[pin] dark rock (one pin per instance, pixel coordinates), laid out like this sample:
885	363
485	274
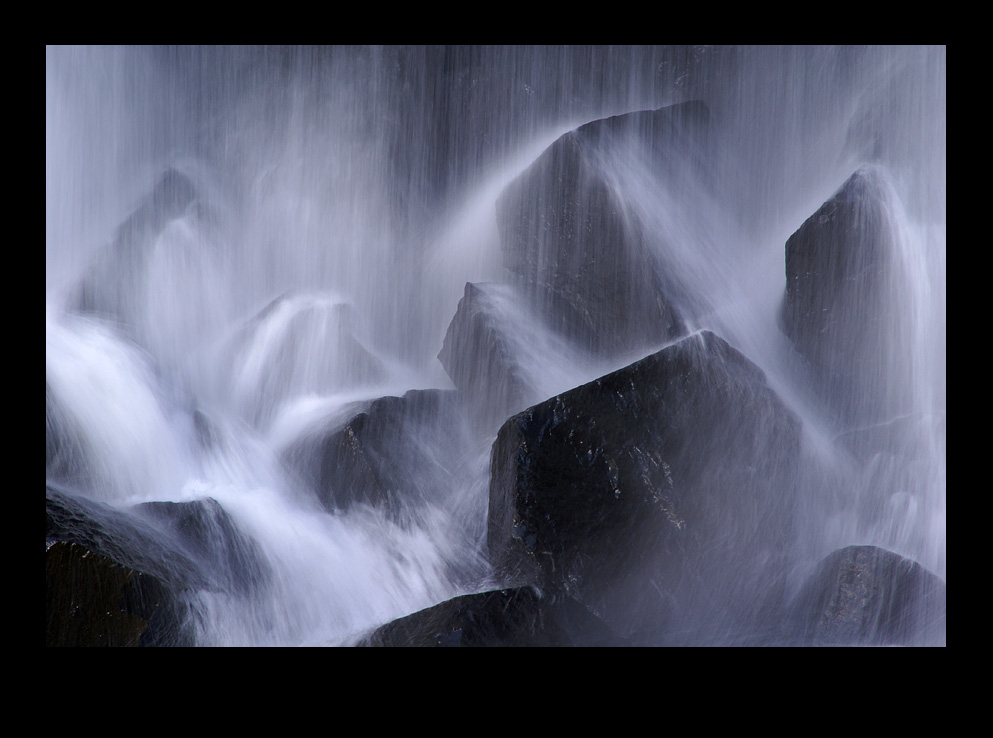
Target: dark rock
114	557
570	239
207	532
126	539
501	356
91	600
186	548
478	354
206	432
864	595
660	494
506	617
840	308
398	454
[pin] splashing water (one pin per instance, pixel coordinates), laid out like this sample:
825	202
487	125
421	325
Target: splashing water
246	247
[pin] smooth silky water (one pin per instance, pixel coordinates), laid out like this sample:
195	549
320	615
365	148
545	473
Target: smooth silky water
345	196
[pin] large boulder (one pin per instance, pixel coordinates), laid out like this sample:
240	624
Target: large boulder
571	240
841	308
111	579
506	617
481	355
157	556
865	595
398	454
205	530
660	495
91	600
502	357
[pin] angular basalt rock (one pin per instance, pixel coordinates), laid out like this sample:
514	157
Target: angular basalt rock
112	580
479	354
865	595
180	548
502	356
839	309
211	537
659	495
120	536
398	453
506	618
583	261
91	600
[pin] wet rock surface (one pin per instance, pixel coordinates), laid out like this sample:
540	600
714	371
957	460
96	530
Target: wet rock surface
841	272
868	596
578	253
518	617
275	357
153	557
479	355
662	489
91	600
396	454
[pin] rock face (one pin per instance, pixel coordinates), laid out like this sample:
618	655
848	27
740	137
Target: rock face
864	595
506	617
658	495
92	601
115	534
502	356
839	309
109	580
144	566
204	529
572	243
397	454
480	355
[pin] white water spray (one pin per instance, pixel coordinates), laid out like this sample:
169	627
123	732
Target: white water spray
330	237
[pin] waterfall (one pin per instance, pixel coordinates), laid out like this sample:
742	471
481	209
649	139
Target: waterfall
252	251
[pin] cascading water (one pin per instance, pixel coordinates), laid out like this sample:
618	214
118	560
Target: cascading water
247	247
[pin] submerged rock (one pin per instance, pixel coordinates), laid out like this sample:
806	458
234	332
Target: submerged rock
660	495
865	595
113	287
299	344
505	617
582	258
841	308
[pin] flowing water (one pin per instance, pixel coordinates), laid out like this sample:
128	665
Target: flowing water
340	200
